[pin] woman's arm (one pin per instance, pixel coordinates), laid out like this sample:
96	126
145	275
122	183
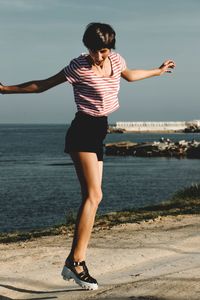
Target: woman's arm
35	86
133	75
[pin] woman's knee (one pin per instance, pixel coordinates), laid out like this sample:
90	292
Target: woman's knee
95	196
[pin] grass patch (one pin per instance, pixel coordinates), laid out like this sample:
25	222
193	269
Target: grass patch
191	192
24	236
185	201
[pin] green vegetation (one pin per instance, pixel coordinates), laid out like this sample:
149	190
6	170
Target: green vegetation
192	192
70	218
186	201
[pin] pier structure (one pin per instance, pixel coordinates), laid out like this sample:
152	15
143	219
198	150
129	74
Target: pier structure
145	126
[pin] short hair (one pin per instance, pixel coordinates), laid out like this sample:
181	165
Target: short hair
98	36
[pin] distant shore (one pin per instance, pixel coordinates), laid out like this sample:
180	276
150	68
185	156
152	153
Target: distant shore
156	126
118	130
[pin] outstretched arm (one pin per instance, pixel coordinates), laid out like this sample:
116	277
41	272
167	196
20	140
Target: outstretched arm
133	75
35	86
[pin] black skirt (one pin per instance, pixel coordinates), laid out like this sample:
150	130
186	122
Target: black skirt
86	134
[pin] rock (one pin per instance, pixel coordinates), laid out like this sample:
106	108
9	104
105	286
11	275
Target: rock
115	130
193	152
120	148
190	149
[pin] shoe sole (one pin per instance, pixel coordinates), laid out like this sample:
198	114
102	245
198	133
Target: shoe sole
67	274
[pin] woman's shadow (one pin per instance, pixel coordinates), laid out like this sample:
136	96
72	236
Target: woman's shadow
21	290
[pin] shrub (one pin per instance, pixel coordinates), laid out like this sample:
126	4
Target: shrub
192	192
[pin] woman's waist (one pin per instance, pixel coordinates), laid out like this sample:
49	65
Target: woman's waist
84	115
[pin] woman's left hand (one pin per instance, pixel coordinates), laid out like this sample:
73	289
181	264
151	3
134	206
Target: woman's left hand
166	66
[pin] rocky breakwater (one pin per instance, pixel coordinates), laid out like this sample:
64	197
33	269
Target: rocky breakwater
164	147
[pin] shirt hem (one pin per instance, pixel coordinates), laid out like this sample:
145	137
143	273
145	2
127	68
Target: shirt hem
99	114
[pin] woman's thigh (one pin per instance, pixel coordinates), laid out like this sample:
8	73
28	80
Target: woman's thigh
89	171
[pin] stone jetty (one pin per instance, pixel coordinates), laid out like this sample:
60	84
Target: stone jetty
157	126
164	147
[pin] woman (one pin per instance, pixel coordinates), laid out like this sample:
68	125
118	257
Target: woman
95	77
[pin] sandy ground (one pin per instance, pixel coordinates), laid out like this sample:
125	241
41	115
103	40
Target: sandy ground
155	260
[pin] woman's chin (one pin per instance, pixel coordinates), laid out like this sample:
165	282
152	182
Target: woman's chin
99	63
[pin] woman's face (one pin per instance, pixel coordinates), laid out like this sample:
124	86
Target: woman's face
99	56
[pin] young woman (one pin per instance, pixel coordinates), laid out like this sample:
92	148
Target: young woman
95	77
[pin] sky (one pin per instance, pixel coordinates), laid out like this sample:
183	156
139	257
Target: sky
40	37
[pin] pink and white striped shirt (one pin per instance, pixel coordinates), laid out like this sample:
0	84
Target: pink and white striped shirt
95	95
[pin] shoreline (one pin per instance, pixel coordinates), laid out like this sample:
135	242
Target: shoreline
172	207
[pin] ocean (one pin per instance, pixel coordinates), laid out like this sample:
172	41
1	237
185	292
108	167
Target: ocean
39	188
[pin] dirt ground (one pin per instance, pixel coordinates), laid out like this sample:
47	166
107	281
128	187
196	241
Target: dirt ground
154	260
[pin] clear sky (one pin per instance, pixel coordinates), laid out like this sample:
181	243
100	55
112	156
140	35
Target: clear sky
39	37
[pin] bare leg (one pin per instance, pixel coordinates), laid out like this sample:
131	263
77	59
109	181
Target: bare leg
89	171
100	163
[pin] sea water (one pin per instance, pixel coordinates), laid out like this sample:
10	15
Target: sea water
38	184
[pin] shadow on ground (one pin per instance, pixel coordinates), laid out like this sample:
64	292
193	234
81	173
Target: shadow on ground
133	298
45	298
36	292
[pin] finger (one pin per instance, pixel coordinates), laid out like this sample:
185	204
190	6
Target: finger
167	62
171	66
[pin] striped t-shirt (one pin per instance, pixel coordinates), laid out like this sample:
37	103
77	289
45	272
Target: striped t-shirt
95	95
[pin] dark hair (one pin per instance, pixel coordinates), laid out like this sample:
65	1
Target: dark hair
98	36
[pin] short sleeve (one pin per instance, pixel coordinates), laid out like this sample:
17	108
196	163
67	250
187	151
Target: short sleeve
72	72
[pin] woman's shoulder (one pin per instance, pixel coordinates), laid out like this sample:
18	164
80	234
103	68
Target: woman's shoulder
80	60
115	55
78	65
117	58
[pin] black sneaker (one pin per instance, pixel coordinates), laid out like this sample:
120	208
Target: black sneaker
83	279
